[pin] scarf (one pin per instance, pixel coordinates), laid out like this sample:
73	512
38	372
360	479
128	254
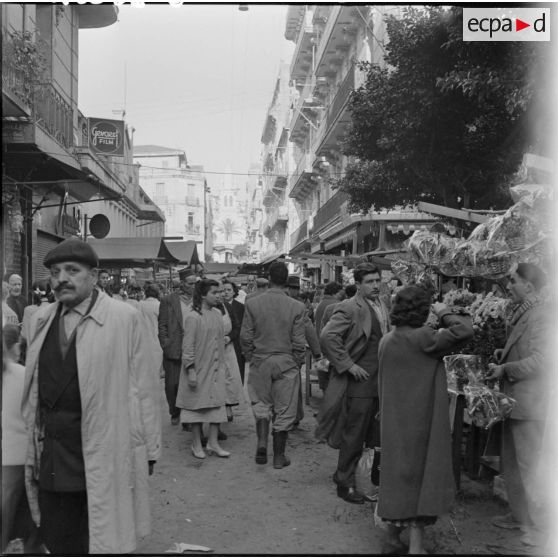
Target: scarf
522	308
381	313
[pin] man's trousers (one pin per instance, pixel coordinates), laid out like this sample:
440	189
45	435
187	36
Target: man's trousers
274	395
521	454
64	522
359	428
172	377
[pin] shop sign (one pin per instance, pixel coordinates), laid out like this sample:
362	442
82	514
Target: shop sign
106	137
70	225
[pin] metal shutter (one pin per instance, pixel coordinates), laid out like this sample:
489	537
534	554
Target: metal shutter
45	243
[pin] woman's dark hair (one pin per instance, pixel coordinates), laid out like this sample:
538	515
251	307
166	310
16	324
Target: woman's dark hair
411	307
332	288
200	290
350	290
151	290
533	274
42	289
234	286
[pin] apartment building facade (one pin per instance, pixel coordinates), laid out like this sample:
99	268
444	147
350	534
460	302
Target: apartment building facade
179	189
51	171
330	40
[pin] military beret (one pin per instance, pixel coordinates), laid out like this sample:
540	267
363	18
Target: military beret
72	250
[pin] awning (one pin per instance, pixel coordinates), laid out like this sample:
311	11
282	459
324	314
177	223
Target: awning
131	252
271	259
184	251
217	267
340	238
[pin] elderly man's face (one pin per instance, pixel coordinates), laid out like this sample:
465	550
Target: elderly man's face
15	285
72	282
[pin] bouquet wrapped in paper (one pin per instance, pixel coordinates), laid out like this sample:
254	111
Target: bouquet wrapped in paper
406	271
423	246
463	370
487	406
518	228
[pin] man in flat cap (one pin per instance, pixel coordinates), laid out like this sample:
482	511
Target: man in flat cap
272	340
92	414
172	312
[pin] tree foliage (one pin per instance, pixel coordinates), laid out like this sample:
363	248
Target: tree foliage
446	121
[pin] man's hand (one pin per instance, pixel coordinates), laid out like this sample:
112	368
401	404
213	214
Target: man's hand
151	465
498	355
192	378
496	371
359	373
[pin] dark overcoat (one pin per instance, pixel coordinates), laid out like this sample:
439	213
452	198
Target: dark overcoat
416	477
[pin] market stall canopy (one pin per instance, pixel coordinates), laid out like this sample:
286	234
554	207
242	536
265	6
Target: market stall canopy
131	252
184	251
220	268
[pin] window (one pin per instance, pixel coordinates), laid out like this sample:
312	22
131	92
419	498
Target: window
191	190
190	219
159	189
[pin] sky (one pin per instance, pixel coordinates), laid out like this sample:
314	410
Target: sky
193	77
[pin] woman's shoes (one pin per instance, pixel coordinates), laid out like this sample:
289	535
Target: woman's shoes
219	452
198	454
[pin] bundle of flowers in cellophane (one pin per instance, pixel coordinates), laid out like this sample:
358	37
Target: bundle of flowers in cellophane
489	314
463	370
431	248
465	259
407	272
487	406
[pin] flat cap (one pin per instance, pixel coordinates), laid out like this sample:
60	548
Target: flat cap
72	250
293	281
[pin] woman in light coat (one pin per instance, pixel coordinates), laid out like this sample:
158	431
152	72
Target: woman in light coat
120	424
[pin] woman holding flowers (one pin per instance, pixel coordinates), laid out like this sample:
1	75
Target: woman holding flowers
416	478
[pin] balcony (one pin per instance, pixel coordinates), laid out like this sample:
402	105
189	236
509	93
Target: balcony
335	115
277	216
302	58
53	114
336	40
17	95
300	235
301	183
330	211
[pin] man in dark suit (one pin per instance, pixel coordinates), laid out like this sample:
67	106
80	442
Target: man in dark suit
171	333
16	301
350	341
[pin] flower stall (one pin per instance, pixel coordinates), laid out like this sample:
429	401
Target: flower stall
520	234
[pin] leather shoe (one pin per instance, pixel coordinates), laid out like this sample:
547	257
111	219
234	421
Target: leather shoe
349	494
175	420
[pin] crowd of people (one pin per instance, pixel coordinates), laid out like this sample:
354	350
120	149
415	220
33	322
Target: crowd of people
78	451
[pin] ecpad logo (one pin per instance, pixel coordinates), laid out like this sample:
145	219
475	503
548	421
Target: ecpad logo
506	24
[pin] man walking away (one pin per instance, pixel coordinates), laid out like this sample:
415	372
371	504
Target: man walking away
273	342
